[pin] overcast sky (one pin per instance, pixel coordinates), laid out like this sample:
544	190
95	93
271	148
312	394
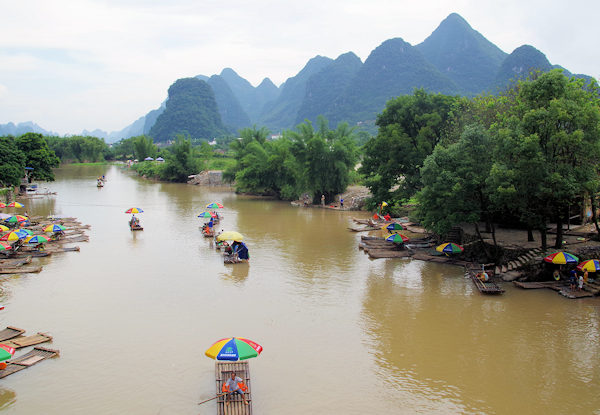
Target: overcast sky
70	65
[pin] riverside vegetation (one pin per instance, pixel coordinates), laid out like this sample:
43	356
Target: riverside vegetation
521	157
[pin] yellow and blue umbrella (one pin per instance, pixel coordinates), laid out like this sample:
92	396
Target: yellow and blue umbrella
206	215
5	247
134	210
37	239
4	228
450	248
234	348
561	258
591	265
15	205
16	219
14	236
54	228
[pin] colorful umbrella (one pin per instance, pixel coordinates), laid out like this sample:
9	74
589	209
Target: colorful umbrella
2	205
230	236
16	219
234	348
4	228
134	210
6	352
450	248
15	204
54	228
561	258
14	236
214	205
394	227
37	239
206	215
591	265
397	238
5	247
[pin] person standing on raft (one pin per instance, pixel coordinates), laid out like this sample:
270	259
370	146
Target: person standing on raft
233	386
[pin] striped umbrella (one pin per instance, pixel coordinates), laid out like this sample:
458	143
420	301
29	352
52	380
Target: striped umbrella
54	228
561	258
37	239
16	219
397	238
2	205
15	205
4	228
134	210
450	248
214	205
206	215
6	352
233	348
591	265
14	236
5	247
394	227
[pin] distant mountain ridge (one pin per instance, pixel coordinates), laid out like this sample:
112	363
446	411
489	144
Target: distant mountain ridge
455	59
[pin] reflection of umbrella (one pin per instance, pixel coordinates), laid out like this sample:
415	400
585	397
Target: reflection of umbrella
591	265
394	227
134	210
4	228
54	228
4	246
230	236
561	258
15	204
6	352
206	215
397	238
16	219
214	205
234	348
450	248
37	239
14	236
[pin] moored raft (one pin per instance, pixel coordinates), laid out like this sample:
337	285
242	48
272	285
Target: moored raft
9	333
29	359
21	270
484	287
24	341
236	405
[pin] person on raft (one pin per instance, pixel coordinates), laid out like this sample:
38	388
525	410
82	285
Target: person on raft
233	386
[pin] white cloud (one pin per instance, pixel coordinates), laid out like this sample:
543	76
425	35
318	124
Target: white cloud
78	64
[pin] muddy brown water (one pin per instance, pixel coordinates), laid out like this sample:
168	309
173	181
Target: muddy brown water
133	313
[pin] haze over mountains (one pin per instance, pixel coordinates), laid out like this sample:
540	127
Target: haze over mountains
454	59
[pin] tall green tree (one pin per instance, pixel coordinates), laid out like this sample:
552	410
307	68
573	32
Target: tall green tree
549	147
410	127
455	188
12	162
38	156
181	161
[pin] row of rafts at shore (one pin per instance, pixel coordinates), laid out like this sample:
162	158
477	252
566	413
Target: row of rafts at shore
21	260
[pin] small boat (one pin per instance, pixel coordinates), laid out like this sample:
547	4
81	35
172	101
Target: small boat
485	287
136	227
100	184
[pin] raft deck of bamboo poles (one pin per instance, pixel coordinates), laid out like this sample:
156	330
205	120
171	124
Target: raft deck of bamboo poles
236	404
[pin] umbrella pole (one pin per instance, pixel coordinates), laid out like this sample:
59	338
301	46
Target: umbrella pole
219	395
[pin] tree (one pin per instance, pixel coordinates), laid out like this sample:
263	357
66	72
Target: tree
12	162
38	156
549	147
455	188
181	161
410	127
143	146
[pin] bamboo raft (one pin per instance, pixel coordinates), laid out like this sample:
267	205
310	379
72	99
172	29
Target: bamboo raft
236	405
24	341
9	333
135	228
21	270
485	287
29	359
15	262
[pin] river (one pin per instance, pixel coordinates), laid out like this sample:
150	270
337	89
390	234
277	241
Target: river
133	313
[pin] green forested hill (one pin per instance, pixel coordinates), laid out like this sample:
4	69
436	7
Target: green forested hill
519	64
191	109
324	87
232	113
463	54
393	68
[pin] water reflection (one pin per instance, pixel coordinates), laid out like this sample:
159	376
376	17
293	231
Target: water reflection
236	273
7	398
